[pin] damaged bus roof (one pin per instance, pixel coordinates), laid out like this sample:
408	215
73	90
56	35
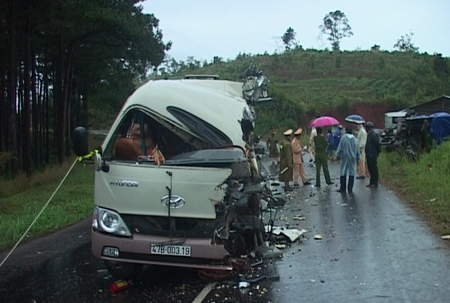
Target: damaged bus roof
217	102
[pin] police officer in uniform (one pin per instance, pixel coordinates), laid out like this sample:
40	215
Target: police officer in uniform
286	160
298	158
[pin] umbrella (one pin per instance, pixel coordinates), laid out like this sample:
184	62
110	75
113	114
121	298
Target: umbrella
324	121
355	119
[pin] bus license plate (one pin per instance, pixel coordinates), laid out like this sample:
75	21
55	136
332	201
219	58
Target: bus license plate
171	250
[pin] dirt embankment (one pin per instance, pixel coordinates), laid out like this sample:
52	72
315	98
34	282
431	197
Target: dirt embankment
373	112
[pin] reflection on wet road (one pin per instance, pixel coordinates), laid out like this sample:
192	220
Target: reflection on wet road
373	249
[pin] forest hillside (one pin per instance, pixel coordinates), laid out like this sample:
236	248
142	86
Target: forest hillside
311	83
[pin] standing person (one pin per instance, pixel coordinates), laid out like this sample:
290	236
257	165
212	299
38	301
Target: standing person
274	153
286	160
320	145
362	139
298	158
425	135
348	152
312	151
330	139
337	135
373	149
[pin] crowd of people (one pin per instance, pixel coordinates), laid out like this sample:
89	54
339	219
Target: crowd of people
356	148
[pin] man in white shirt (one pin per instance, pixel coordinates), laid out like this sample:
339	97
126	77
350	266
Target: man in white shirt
362	139
312	149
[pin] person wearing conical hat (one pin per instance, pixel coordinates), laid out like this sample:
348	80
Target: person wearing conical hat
298	158
286	160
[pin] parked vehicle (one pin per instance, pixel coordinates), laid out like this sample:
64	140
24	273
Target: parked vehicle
176	181
394	128
393	119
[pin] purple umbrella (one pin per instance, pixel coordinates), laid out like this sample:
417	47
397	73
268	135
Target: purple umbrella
324	121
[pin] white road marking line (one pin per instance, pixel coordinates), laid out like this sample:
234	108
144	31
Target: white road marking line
202	295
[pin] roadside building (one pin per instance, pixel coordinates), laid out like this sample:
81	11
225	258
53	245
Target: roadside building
441	104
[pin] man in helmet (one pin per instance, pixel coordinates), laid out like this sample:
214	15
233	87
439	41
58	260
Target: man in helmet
373	149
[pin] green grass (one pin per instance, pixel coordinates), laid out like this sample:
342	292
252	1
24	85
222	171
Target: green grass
72	202
423	184
22	199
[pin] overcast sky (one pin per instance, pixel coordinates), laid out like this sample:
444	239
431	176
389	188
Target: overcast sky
207	28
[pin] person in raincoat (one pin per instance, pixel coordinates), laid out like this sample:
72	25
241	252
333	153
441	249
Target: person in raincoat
362	139
348	153
272	146
298	158
286	160
321	145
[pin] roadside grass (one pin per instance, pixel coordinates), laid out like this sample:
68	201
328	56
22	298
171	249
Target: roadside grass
22	198
424	184
72	203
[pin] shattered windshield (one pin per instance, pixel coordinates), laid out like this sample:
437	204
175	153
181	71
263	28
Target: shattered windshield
209	133
142	136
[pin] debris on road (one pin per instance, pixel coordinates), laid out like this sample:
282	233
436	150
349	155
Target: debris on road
298	218
119	286
291	233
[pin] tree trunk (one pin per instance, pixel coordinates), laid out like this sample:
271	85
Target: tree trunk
45	114
36	119
59	126
11	123
3	113
26	101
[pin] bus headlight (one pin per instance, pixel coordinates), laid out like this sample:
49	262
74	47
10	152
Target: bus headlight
110	222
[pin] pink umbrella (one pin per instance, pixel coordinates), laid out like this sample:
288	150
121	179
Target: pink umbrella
324	121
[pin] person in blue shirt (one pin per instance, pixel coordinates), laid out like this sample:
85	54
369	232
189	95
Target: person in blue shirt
337	135
331	147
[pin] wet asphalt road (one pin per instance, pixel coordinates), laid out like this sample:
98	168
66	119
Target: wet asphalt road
373	249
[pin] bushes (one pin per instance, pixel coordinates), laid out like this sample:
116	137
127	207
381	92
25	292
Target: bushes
423	184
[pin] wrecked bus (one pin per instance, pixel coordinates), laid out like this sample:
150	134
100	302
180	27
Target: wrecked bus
176	181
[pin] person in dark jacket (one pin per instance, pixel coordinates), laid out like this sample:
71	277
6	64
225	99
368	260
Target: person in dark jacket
320	146
373	149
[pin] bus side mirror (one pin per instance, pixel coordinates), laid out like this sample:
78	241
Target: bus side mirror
80	141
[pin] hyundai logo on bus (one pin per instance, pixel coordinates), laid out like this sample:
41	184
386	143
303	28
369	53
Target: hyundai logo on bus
175	201
127	183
